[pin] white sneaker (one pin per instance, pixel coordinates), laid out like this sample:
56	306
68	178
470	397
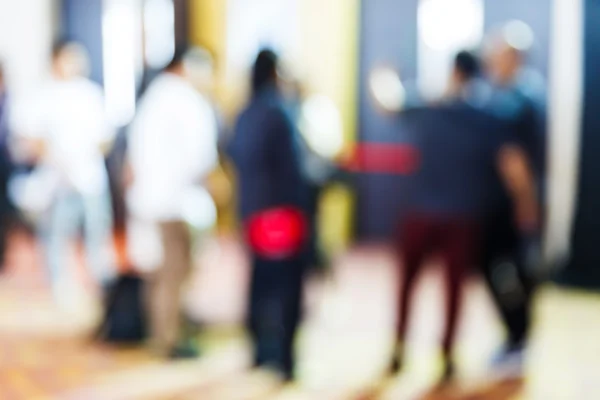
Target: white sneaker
510	363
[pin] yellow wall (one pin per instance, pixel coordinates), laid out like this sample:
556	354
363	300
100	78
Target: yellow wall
329	65
208	23
329	54
208	28
328	57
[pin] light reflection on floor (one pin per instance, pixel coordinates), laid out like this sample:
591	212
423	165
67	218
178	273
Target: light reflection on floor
342	347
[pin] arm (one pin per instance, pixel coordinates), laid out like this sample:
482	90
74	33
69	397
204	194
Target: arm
201	153
27	127
517	176
104	132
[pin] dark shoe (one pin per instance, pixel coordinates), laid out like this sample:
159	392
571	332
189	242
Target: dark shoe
509	362
449	372
512	353
184	353
397	363
288	376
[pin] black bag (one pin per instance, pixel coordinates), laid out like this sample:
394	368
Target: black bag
125	315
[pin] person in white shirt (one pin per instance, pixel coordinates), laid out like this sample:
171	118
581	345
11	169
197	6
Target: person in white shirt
172	147
66	131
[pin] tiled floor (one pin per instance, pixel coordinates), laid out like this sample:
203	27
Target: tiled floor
44	354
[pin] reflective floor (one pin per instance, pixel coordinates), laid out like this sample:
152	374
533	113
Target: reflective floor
48	354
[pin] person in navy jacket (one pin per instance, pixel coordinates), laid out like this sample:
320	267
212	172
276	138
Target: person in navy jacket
271	188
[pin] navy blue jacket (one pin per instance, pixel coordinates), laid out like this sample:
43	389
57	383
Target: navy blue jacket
523	107
459	145
266	157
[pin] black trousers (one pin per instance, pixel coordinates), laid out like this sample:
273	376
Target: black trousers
504	270
274	312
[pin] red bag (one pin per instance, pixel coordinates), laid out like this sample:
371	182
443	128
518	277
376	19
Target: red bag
278	233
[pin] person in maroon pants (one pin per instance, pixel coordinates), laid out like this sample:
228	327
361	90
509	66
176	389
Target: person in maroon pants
463	151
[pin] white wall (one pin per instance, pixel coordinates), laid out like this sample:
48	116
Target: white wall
565	112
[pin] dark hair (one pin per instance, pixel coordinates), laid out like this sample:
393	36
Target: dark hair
181	50
264	71
467	64
59	46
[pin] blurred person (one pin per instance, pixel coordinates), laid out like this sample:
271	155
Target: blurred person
518	91
172	149
272	196
518	97
462	150
66	132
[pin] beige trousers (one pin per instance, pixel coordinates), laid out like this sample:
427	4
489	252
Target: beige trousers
165	287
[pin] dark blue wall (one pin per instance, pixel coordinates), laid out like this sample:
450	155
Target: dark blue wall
583	269
389	35
82	21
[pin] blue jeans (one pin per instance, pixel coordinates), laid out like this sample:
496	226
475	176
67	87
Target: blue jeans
72	212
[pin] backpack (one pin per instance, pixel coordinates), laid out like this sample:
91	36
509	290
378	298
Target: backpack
125	314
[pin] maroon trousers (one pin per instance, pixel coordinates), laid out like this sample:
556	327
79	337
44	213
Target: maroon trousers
455	240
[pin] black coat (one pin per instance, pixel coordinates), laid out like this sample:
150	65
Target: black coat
266	157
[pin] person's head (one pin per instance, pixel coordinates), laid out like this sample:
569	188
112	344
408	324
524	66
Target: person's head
69	60
177	64
506	51
264	72
466	68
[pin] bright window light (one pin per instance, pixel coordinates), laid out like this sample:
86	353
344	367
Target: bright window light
447	24
321	125
519	35
120	47
256	24
445	27
387	89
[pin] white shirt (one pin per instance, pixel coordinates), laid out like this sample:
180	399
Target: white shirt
172	146
69	116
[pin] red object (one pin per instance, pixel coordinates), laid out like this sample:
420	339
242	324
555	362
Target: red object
278	233
384	158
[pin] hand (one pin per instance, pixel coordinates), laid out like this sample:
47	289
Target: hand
128	176
31	151
528	217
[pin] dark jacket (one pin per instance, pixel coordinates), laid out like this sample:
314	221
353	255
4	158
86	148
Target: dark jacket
516	112
458	146
523	106
266	157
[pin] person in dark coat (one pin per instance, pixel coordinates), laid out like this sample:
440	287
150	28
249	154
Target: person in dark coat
518	97
452	188
271	188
